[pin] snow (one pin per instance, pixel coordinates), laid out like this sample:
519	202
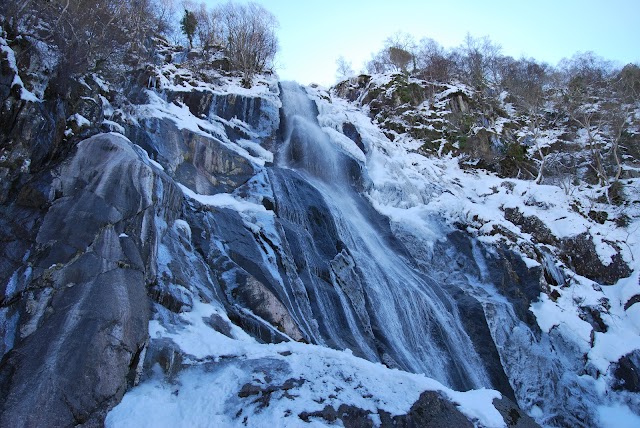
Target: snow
114	126
180	115
79	119
476	404
223	200
25	94
206	395
256	150
549	315
618	416
623	335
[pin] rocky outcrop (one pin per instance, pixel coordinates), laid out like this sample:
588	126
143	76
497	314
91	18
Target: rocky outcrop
627	372
261	114
349	130
31	136
430	410
199	161
579	253
198	102
83	315
531	225
513	416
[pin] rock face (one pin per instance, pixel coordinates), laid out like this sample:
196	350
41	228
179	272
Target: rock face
199	161
84	313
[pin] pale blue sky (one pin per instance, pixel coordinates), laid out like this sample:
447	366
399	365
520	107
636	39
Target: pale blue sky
314	33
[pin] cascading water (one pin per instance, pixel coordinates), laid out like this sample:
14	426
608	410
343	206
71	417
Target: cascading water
363	288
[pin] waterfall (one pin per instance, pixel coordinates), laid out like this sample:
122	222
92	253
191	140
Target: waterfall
365	291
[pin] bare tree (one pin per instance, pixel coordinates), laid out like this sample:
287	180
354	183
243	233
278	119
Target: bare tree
344	69
87	35
208	31
615	114
478	61
628	83
588	78
433	62
251	43
164	12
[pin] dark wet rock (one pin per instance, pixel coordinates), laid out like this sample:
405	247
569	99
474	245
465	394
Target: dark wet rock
262	394
31	137
627	372
257	112
245	109
632	301
83	360
350	416
431	410
171	297
32	197
222	167
476	326
18	229
350	131
520	284
198	102
579	252
219	324
592	315
345	274
513	416
163	353
531	225
238	276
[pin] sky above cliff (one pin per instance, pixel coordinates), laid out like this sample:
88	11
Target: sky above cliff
314	33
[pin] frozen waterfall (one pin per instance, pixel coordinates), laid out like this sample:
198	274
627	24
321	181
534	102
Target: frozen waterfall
365	291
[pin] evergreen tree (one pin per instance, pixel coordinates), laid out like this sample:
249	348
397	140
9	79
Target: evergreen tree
188	24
